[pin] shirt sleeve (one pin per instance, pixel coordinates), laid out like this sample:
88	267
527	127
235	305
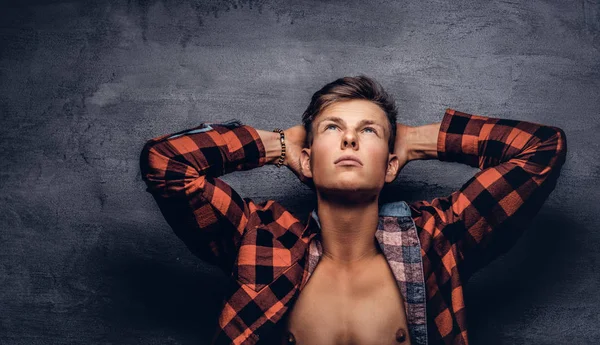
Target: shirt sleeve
181	172
520	164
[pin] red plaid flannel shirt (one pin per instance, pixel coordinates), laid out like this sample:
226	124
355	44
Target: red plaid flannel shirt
270	253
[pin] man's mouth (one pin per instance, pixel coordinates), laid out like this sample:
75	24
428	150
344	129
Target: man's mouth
348	160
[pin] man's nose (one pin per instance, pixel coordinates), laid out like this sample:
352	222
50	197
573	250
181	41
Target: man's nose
349	140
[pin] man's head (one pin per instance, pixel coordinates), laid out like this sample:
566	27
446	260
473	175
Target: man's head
349	88
351	116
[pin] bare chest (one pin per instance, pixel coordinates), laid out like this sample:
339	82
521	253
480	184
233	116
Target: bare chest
361	307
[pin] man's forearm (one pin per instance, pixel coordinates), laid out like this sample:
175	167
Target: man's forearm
272	145
420	141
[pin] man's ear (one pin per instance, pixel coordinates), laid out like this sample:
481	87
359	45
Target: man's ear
305	165
392	168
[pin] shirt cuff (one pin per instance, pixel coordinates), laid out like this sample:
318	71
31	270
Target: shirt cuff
246	149
458	138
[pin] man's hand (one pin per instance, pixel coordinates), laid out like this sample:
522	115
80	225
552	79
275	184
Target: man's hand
294	142
402	145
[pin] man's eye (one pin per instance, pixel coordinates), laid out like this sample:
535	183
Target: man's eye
372	129
327	127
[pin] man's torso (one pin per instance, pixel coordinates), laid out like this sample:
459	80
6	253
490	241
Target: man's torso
362	305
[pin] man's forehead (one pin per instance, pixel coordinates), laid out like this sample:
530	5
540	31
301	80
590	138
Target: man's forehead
353	111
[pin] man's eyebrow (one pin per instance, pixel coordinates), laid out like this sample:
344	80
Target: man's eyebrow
341	121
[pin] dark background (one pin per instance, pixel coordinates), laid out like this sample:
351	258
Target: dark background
85	255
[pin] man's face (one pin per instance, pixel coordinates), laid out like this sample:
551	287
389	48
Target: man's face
356	128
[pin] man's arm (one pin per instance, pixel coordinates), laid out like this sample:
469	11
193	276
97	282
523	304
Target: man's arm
181	172
520	164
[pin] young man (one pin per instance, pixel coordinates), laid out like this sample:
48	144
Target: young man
357	272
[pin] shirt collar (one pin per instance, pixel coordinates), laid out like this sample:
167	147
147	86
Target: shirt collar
313	225
398	208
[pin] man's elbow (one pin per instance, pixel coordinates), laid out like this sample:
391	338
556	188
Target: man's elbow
144	160
153	166
561	146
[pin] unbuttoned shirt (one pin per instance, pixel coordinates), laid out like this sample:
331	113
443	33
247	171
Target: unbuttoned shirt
432	247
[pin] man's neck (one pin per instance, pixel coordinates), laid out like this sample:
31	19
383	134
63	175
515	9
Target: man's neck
348	231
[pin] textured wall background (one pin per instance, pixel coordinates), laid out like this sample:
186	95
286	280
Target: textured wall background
86	257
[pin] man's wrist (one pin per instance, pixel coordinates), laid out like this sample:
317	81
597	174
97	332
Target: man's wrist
421	141
272	143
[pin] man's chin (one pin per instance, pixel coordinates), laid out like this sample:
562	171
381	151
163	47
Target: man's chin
348	191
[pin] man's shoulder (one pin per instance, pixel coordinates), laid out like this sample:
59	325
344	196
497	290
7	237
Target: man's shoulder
274	217
272	240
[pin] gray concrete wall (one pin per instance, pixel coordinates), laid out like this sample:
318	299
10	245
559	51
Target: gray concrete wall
86	257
